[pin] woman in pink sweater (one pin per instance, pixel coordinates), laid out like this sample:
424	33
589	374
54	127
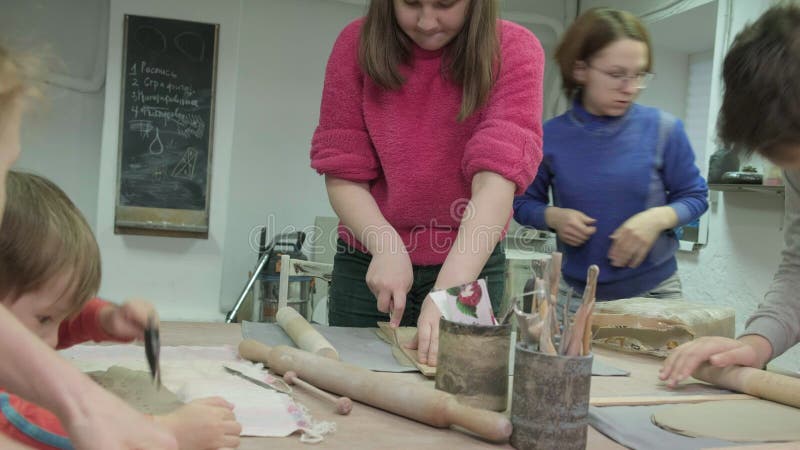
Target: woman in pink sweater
430	123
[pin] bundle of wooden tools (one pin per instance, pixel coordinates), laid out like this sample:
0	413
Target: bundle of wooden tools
541	327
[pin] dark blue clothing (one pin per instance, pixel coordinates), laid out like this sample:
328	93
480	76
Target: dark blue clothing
611	168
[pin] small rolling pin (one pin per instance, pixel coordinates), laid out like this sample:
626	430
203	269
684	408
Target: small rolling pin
343	404
415	401
303	334
760	383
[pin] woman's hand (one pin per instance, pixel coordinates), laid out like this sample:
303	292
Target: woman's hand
426	341
573	227
633	240
389	277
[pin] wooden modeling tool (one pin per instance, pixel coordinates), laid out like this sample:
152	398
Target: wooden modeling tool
566	330
415	401
760	383
555	273
343	404
303	334
588	298
530	328
580	339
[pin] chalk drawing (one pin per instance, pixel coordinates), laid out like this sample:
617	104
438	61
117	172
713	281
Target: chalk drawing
187	165
156	147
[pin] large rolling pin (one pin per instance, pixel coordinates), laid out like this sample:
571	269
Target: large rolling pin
760	383
415	401
303	334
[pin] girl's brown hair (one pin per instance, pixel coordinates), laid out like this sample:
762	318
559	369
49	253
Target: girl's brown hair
591	32
471	59
43	236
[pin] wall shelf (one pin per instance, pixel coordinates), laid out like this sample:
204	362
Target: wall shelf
746	188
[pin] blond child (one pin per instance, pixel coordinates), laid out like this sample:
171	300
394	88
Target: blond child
49	274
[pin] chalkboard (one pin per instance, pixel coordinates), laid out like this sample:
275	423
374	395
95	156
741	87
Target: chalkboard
166	125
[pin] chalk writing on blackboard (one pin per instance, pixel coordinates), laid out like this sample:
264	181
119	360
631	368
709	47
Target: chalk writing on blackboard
166	120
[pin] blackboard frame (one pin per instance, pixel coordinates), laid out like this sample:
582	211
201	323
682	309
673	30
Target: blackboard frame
158	221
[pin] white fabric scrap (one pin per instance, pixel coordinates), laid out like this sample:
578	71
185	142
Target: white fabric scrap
197	372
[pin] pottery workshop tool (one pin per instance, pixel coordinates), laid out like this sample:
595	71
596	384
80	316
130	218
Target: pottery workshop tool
541	327
152	349
759	383
343	404
281	386
412	400
550	399
303	334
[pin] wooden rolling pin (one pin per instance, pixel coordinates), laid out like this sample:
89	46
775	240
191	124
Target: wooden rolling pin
415	401
760	383
303	334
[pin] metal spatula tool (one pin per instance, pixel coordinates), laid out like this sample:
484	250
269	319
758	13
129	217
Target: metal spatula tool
152	349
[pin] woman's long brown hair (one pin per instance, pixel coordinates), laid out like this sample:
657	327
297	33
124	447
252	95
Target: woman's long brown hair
471	59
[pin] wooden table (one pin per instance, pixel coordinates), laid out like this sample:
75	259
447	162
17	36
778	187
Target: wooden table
371	428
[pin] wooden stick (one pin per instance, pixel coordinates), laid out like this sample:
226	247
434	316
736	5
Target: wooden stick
412	400
639	400
303	334
555	273
760	383
589	297
343	404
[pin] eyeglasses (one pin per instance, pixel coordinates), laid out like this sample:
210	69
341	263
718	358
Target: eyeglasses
620	79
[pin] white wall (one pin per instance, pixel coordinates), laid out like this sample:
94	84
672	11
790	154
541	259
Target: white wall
61	134
181	276
280	76
667	90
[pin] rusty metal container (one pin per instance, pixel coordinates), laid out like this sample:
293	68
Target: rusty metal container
473	363
550	400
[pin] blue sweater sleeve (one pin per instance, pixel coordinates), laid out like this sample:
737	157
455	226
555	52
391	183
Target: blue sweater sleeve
529	207
687	192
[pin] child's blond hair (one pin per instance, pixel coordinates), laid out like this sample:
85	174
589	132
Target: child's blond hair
43	236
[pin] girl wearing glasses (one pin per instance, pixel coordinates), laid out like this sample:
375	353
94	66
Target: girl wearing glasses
622	174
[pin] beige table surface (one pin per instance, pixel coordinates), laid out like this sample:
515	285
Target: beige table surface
371	428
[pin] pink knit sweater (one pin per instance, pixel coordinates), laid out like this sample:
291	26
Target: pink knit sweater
409	147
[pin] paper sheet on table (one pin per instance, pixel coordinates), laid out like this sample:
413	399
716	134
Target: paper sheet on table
196	372
631	426
358	346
